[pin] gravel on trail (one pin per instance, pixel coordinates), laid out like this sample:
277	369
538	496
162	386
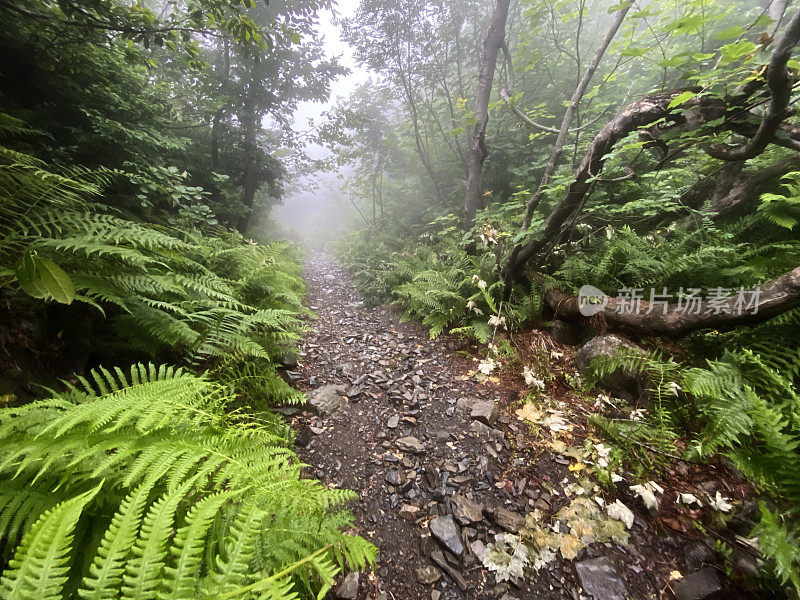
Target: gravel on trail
440	462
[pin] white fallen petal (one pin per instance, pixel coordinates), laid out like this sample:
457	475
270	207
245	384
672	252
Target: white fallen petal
688	499
720	503
620	512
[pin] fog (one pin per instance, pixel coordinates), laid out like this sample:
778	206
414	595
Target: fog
315	211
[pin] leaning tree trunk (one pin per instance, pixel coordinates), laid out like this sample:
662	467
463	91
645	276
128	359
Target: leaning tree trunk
696	113
674	320
569	114
478	151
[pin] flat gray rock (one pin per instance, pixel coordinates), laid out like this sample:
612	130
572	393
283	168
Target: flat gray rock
466	511
410	444
326	400
447	532
600	579
509	520
700	585
485	412
427	575
348	589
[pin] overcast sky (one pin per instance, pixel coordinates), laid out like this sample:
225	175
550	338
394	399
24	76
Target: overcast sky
334	46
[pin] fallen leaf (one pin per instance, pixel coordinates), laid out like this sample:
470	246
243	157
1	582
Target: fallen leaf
529	413
674	524
577	467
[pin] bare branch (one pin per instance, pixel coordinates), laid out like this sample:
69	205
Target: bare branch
780	89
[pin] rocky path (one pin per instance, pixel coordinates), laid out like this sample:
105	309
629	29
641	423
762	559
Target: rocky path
440	463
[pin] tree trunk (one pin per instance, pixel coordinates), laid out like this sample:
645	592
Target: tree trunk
478	151
250	176
572	108
216	123
671	320
634	116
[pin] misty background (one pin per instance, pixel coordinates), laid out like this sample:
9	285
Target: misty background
315	210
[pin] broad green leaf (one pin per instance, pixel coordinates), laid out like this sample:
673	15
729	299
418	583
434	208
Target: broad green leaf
737	50
54	280
730	33
681	99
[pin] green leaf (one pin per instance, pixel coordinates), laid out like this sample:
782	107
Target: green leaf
40	565
738	49
777	543
681	99
54	281
730	33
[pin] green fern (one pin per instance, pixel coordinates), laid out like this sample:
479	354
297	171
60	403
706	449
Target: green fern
204	503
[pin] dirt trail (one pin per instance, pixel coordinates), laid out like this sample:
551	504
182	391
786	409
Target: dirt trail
406	439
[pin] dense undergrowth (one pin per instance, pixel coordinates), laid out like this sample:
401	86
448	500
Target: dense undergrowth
730	393
96	478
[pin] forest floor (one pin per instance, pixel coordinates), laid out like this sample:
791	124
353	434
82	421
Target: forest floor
438	479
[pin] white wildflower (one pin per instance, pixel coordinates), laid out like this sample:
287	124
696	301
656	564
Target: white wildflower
647	492
497	321
556	355
603	453
531	380
638	414
610	232
478	312
602	401
720	503
689	499
479	282
471	305
488	234
619	512
487	365
494	349
556	422
674	388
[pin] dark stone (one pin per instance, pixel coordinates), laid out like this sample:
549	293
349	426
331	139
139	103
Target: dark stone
600	579
288	411
563	332
305	437
700	585
348	589
508	520
697	555
485	411
622	383
446	531
440	560
395	477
